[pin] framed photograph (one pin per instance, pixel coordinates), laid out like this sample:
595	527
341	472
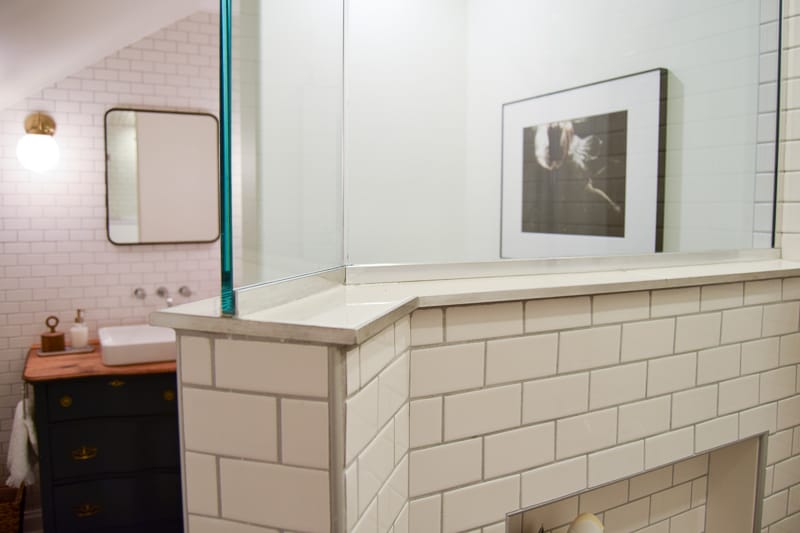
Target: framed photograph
583	170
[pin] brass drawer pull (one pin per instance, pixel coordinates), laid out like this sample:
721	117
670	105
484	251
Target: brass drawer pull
116	383
84	453
65	401
86	510
169	395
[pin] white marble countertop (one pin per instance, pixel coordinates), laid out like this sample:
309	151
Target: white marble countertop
350	314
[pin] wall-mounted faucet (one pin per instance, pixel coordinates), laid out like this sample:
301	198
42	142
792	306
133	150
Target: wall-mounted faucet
164	293
139	293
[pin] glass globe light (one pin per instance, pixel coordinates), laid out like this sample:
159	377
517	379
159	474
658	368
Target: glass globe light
38	150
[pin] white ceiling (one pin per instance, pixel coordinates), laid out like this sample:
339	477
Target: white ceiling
43	41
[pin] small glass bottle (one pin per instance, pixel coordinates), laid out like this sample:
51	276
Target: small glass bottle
79	332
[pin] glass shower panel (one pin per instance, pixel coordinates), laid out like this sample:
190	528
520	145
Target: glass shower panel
287	138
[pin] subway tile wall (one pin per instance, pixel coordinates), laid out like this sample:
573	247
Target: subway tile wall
54	254
669	499
564	395
256	452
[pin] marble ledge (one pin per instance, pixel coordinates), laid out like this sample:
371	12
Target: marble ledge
350	314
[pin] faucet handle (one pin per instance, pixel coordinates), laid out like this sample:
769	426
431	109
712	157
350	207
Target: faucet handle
139	293
185	291
162	292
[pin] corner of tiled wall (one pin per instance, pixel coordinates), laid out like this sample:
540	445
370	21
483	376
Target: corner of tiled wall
255	434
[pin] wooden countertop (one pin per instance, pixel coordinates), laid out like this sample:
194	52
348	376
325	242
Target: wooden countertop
71	366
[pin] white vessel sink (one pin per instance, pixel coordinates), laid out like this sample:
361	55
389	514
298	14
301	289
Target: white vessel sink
142	343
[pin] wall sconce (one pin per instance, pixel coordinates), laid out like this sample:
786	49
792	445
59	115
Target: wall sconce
37	150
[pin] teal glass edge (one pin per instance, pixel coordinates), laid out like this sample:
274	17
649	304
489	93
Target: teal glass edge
228	295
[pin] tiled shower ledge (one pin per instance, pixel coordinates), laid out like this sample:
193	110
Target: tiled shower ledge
350	314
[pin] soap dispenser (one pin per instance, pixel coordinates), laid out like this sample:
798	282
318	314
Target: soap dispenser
79	332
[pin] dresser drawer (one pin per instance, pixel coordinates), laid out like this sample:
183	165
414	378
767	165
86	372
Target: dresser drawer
113	445
115	504
111	396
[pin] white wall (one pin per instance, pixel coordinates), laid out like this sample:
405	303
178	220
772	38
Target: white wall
54	252
433	82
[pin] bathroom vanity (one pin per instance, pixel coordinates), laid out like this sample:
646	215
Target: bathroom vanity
108	444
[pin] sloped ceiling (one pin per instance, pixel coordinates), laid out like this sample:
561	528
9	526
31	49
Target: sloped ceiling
43	41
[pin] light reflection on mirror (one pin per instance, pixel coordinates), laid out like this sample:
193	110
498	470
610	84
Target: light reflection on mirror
161	177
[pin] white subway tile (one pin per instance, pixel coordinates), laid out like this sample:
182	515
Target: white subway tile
791	289
473	322
446	368
690	469
586	433
402	335
789	349
480	504
643	419
304	433
671	302
651	338
201	483
779	446
392	389
598	500
694	405
446	466
670	502
715	433
669	447
789	412
483	411
699	491
738	394
589	348
427	326
401	433
227	423
553	481
375	464
661	527
500	527
401	524
376	353
794	500
425	515
393	496
195	360
351	495
692	521
629	517
787	474
780	319
724	296
521	358
758	420
558	314
741	324
547	399
272	367
559	512
717	364
774	508
299	498
694	332
425	422
616	463
650	482
616	385
368	523
519	449
762	291
353	369
759	355
777	384
204	524
671	374
361	420
623	307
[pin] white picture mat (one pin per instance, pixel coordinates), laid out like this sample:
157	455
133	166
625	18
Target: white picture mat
640	96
